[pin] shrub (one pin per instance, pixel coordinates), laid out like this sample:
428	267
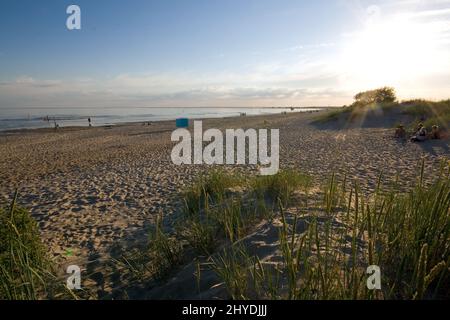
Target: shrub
381	95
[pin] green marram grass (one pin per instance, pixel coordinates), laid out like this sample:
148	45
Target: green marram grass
406	234
26	272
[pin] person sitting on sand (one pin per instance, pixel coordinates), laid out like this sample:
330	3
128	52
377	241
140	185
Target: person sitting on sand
421	134
435	132
400	132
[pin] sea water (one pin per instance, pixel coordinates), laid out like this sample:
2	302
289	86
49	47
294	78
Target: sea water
20	118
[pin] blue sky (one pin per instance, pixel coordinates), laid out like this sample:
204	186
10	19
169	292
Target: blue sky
221	53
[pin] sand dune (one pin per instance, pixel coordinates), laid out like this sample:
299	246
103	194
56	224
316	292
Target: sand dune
92	188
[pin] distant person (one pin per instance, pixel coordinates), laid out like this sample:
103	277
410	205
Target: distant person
420	135
400	132
435	132
89	120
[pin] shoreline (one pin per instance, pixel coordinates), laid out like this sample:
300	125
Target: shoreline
124	123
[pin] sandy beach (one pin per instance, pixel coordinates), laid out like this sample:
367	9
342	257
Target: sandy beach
91	188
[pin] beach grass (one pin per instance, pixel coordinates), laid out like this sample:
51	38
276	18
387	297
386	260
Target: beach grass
215	211
331	115
279	187
406	234
431	112
209	188
26	271
414	111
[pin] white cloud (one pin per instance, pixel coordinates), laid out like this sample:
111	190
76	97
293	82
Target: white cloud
264	85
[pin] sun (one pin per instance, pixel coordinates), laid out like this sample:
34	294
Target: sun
389	52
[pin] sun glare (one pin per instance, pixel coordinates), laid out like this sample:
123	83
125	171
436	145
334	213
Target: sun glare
390	52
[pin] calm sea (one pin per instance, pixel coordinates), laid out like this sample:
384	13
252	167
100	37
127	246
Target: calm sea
19	118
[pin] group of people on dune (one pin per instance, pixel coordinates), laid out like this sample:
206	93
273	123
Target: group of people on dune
420	134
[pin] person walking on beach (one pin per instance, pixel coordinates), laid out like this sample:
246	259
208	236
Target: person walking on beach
89	120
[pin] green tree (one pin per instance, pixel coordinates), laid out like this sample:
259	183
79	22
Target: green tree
381	95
